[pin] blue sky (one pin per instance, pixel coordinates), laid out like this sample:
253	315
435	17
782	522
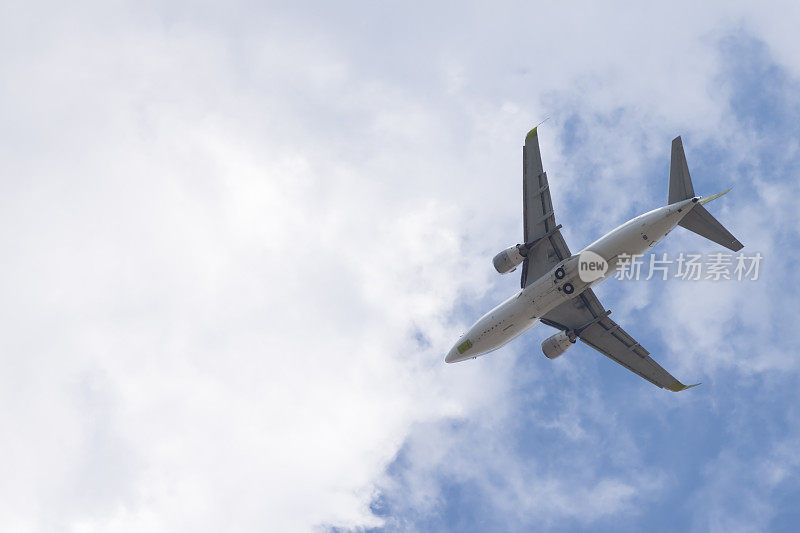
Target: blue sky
238	241
720	457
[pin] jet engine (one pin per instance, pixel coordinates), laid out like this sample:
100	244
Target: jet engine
559	343
508	260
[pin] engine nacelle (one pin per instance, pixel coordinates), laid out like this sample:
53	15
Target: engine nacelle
559	343
508	260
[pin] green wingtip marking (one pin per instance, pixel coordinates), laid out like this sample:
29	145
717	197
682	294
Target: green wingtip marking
714	196
531	134
677	386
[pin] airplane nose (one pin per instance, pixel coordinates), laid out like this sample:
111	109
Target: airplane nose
452	356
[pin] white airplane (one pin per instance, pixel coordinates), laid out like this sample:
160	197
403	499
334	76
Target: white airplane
556	285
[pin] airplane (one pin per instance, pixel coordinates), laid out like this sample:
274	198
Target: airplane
556	285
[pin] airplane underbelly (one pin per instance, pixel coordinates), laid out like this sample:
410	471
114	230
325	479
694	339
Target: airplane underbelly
507	323
510	332
494	341
511	318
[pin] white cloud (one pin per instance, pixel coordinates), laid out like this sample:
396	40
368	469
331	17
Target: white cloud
207	326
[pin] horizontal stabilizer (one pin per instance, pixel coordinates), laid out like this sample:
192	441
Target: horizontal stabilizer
700	221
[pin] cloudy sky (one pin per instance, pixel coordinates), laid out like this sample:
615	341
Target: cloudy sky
238	239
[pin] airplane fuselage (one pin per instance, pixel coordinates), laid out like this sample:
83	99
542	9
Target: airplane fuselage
523	310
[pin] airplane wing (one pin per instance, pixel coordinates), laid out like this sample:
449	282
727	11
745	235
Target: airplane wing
538	218
585	315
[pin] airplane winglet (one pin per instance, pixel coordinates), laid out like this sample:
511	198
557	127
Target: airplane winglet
677	386
533	133
714	197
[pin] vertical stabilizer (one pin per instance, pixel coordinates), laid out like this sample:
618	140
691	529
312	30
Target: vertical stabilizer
680	182
698	219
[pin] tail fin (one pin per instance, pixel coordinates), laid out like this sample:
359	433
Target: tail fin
680	182
698	219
